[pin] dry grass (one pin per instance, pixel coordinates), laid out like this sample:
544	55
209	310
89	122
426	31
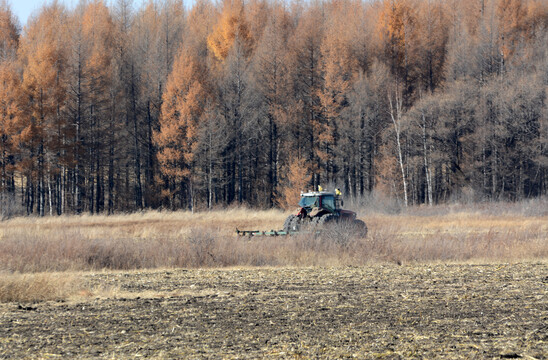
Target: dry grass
146	224
37	287
183	239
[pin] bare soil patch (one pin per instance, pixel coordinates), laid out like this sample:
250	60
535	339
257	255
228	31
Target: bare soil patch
376	311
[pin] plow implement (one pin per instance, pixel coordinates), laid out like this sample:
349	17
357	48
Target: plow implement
268	233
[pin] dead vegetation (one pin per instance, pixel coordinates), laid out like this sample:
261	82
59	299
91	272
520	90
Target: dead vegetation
37	287
182	239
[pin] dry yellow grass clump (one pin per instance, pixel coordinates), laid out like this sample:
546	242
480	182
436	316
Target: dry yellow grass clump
37	287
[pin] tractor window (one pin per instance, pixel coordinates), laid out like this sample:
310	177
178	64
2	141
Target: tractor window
328	202
308	201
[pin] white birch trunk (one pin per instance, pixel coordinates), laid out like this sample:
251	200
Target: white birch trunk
49	196
426	163
396	121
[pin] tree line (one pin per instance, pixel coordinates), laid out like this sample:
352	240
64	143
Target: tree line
122	108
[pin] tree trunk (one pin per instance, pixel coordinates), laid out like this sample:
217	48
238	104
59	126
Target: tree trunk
427	170
149	171
395	114
137	158
41	190
50	204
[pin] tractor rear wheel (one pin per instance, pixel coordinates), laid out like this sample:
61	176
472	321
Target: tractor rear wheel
360	228
292	223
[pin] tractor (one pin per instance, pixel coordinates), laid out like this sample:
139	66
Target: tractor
321	210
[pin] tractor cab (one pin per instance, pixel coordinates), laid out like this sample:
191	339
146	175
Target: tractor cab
320	200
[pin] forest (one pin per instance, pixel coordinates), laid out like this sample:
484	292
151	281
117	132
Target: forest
115	107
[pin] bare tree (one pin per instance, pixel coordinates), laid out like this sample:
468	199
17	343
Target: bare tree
395	101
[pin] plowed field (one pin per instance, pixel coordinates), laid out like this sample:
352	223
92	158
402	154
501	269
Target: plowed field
377	311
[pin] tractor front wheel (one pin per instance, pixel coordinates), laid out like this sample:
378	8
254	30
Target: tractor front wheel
292	223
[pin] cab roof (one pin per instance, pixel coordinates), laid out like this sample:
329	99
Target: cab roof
317	193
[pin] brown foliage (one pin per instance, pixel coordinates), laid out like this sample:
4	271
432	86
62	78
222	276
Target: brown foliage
10	118
183	105
9	32
297	180
115	108
512	15
232	24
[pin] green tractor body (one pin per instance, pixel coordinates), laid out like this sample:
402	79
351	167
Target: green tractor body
322	209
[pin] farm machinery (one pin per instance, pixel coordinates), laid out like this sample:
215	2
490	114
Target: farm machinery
318	211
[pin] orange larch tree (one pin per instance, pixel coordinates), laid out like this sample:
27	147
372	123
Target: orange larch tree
10	97
158	35
184	101
338	67
9	31
98	34
270	80
433	34
232	24
304	72
397	32
10	128
296	179
512	18
43	52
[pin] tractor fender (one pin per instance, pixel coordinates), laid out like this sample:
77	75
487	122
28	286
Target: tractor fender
347	215
300	212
